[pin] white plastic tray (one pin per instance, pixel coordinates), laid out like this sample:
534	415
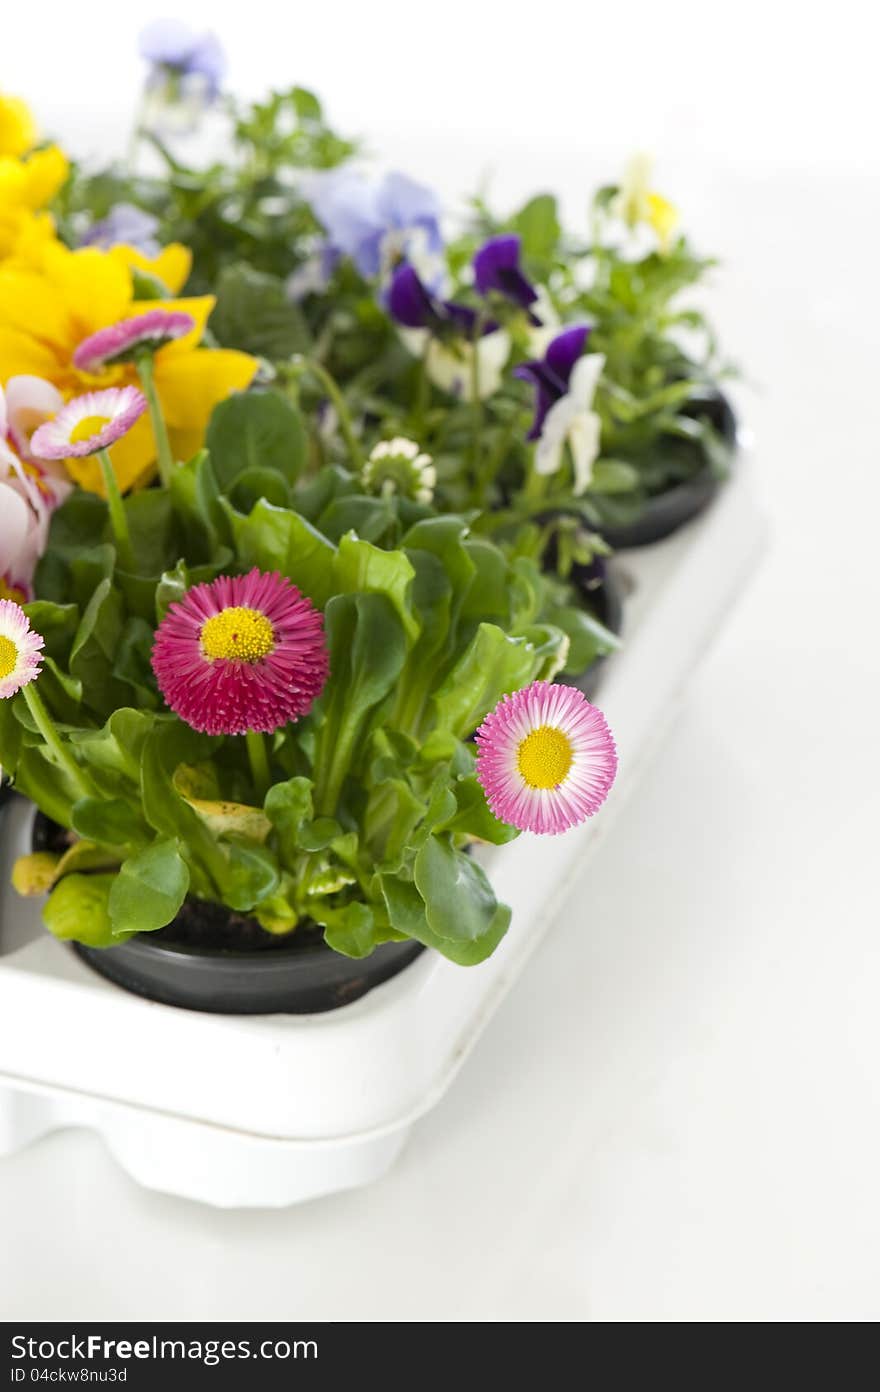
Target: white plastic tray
268	1110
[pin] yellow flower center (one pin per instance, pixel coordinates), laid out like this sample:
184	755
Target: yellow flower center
242	635
88	426
544	757
8	656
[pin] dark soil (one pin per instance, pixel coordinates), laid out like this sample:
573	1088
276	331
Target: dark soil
203	924
199	923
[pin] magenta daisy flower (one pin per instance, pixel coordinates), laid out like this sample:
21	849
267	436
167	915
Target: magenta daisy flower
20	649
243	653
89	423
546	758
123	342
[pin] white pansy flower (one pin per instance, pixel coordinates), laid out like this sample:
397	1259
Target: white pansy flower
452	369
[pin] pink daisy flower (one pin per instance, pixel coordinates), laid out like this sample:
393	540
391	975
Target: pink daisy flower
123	341
19	649
89	423
242	653
546	758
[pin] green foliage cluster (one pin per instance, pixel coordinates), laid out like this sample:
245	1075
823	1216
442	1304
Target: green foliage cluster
373	798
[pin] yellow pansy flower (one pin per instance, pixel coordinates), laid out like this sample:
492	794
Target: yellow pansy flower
637	203
26	186
18	129
29	178
51	298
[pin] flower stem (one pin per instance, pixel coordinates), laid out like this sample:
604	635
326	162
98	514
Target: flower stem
422	391
259	762
118	519
476	409
331	766
46	726
536	487
160	431
302	365
497	458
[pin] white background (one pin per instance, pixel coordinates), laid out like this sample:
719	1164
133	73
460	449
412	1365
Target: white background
675	1115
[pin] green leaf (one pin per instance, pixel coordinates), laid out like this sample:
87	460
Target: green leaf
116	749
149	889
350	930
273	538
538	225
370	518
613	476
367	648
462	913
362	567
588	637
254	484
168	745
306	104
133	664
146	286
78	910
110	822
252	875
199	511
473	816
367	651
289	807
256	431
151	525
171	588
254	314
492	665
61	693
56	624
80	521
408	914
94	650
317	835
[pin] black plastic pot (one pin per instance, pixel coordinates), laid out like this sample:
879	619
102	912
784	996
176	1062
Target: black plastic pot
284	977
287	980
602	590
665	513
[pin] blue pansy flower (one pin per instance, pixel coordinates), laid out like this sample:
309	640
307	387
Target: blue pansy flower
379	222
126	224
175	49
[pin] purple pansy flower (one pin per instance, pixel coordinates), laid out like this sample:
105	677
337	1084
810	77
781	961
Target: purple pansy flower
413	305
496	267
565	380
125	224
551	374
171	45
377	222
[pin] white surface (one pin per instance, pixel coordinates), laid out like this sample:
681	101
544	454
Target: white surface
677	1116
335	1095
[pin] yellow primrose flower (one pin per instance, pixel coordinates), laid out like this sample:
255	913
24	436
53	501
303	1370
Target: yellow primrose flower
636	202
18	129
51	298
